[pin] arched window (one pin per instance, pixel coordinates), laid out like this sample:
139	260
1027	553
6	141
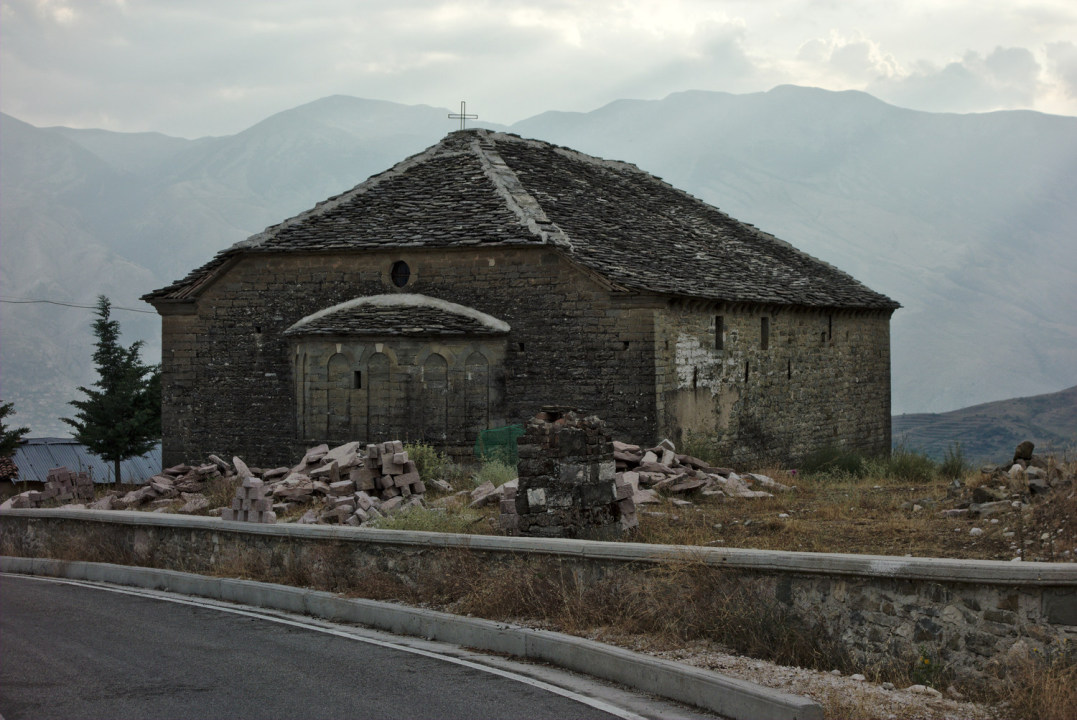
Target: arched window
435	394
338	407
476	395
379	398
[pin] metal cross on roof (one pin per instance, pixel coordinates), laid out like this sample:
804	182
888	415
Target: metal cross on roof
462	115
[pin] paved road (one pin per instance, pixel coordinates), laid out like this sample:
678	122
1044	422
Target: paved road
70	650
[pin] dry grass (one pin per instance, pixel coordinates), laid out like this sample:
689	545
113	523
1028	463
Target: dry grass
450	519
220	491
1041	685
863	514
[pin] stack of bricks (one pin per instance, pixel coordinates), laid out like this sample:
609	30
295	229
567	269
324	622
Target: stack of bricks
67	485
567	484
252	502
388	472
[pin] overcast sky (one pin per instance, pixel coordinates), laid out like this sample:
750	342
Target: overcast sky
214	67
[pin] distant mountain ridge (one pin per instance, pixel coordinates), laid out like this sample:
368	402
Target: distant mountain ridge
991	431
965	219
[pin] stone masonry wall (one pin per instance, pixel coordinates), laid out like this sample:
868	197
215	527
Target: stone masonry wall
820	378
228	374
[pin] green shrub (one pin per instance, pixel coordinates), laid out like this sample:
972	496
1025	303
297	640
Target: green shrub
834	461
431	463
908	465
953	465
496	472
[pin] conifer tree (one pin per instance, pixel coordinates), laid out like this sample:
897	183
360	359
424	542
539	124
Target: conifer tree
9	439
121	415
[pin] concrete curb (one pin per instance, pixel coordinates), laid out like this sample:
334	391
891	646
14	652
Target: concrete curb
723	695
992	572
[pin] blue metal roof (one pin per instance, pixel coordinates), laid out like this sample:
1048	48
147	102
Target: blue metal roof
36	456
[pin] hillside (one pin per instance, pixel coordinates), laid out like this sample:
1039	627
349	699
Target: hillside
964	219
991	431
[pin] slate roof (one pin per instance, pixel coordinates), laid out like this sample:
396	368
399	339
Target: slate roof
402	314
478	187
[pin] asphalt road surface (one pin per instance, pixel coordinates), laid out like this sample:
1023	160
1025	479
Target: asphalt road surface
71	650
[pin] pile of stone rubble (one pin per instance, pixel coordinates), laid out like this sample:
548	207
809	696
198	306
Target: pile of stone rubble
661	468
182	483
61	484
344	484
1001	490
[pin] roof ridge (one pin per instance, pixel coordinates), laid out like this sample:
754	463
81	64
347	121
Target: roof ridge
517	197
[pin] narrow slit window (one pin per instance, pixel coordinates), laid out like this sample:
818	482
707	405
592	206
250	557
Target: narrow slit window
764	332
829	327
719	332
747	368
357	380
788	369
520	347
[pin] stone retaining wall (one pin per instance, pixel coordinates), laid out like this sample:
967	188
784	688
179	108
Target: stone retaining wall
963	613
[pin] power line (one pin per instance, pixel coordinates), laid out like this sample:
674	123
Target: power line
26	301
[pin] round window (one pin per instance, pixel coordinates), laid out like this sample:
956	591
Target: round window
400	273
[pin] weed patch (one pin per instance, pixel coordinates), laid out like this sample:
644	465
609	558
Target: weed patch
448	520
496	472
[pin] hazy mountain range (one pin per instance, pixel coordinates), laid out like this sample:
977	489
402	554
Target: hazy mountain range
967	220
992	431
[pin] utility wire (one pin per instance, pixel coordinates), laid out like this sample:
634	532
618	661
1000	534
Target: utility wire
26	301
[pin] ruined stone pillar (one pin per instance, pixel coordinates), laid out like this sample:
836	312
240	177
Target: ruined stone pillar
567	486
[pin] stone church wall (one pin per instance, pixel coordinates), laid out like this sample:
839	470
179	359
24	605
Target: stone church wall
229	374
817	378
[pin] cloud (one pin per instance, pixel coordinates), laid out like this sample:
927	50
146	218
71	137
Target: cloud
210	67
1005	78
1062	57
847	59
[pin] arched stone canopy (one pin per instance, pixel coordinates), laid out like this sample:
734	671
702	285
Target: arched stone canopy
398	366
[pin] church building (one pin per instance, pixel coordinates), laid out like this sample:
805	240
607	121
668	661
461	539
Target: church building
490	275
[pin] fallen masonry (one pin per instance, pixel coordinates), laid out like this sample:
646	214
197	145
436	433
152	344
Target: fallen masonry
582	484
61	485
662	468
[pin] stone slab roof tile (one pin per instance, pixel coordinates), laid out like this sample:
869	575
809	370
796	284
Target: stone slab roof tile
479	187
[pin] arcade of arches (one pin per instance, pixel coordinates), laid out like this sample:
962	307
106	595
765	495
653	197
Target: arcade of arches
442	391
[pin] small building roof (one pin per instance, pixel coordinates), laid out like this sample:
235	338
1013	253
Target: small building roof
36	456
398	314
483	188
